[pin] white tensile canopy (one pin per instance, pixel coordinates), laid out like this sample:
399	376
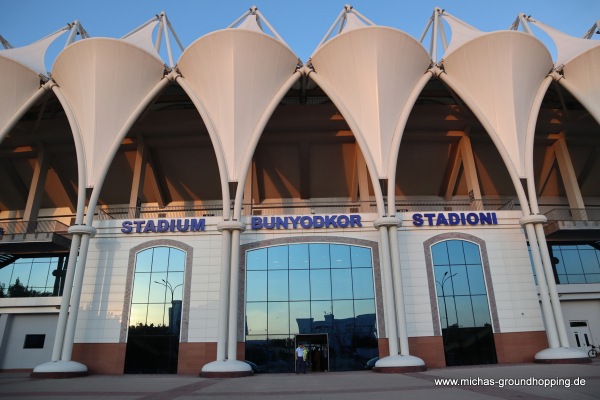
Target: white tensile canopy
579	59
235	73
92	74
20	70
372	70
501	72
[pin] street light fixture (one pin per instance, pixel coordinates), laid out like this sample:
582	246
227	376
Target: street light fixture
444	280
168	286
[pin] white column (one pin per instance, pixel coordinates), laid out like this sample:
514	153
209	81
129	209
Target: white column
398	288
551	332
390	312
224	293
87	233
234	288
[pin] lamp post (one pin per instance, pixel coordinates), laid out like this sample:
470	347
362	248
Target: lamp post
444	279
168	286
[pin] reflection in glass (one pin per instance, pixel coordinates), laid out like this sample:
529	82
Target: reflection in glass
361	257
340	256
278	285
256	286
298	254
319	255
33	277
362	282
341	284
320	284
343	309
256	259
160	259
277	257
299	285
576	263
299	317
278	318
155	313
256	318
310	291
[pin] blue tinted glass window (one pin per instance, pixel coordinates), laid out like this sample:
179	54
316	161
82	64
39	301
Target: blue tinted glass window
341	284
298	254
362	282
340	256
320	284
157	282
256	318
299	285
319	256
277	257
460	285
278	285
361	257
256	259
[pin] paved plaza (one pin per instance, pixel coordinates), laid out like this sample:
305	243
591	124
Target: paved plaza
517	381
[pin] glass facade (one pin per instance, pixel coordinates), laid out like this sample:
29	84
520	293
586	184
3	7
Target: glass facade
463	303
34	277
314	290
575	263
155	315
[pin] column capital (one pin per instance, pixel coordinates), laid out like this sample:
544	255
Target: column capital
533	219
231	226
387	221
82	230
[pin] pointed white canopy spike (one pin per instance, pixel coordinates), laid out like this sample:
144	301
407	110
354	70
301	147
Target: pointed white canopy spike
372	72
461	32
142	38
250	23
352	22
235	73
32	56
91	74
568	47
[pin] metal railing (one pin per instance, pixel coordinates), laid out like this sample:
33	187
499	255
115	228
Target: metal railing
25	227
573	214
108	213
301	208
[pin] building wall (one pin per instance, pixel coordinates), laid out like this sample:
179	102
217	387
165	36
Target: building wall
104	296
14	328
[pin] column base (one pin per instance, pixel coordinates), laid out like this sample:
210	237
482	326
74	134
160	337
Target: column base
399	364
226	369
562	355
59	370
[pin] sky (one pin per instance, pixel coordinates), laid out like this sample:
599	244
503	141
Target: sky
302	25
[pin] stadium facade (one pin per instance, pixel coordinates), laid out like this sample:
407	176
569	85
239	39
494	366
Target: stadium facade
374	201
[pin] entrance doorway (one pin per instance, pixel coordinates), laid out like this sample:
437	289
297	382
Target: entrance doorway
582	334
318	350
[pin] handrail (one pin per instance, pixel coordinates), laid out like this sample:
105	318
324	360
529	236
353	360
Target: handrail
38	226
573	214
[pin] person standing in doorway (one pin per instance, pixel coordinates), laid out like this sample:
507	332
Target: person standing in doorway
299	356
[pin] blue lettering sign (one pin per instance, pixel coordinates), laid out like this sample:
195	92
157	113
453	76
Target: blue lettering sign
453	219
164	225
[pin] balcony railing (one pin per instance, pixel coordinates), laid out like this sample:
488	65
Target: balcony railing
301	208
573	214
32	227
